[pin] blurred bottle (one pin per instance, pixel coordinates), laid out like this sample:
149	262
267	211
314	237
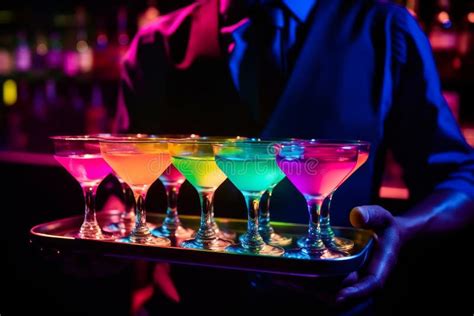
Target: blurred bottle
70	56
444	39
6	61
22	53
76	121
96	113
84	51
466	61
38	123
123	38
40	53
54	57
103	55
466	43
17	137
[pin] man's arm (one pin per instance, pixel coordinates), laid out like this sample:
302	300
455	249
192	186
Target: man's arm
438	164
443	211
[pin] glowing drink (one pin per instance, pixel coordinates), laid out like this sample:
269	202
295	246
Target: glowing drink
138	161
88	169
251	167
201	172
194	158
316	169
80	156
319	171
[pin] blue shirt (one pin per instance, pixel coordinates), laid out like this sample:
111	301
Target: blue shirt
364	70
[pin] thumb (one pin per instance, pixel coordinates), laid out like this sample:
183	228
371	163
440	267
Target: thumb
371	217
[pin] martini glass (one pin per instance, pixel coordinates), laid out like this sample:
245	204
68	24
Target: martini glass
252	168
316	169
126	222
172	180
139	161
80	156
330	239
264	226
194	158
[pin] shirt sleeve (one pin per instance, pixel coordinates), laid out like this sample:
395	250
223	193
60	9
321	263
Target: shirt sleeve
420	128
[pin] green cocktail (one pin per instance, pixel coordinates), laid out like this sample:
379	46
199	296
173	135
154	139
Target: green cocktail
201	172
252	168
249	174
194	158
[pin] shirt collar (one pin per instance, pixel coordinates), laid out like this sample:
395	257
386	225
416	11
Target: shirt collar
300	8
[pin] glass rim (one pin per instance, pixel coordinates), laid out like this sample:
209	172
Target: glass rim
338	141
144	135
206	140
241	144
74	138
133	139
328	143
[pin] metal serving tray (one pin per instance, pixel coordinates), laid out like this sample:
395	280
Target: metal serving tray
53	237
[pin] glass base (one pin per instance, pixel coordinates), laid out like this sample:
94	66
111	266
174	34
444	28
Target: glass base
217	244
277	240
92	230
226	235
321	254
117	229
149	240
266	250
179	232
112	228
223	234
339	243
102	236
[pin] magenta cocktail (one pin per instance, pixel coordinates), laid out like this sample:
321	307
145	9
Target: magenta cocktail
80	156
329	237
88	169
172	180
315	170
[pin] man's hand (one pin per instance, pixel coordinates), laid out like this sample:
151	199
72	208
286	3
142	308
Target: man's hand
383	259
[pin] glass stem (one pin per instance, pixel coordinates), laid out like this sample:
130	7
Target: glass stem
141	231
252	238
264	227
90	228
326	231
206	230
313	242
127	219
171	221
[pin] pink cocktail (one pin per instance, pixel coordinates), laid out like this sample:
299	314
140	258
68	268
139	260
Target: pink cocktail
319	170
172	176
80	156
172	180
316	170
88	169
329	237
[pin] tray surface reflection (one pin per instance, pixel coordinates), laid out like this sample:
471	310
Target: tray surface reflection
53	237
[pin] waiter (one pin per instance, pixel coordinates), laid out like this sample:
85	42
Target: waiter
343	69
